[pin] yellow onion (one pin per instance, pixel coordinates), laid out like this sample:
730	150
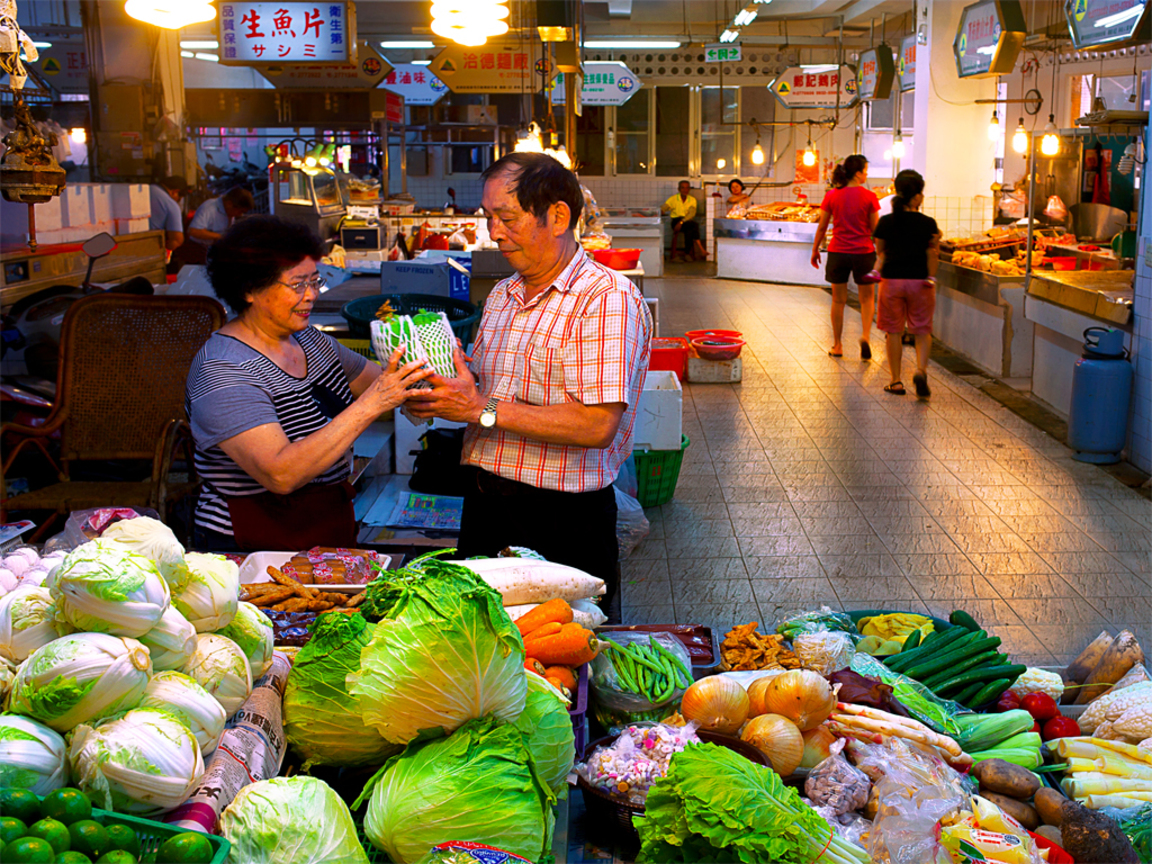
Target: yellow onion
803	696
756	692
777	738
816	744
716	703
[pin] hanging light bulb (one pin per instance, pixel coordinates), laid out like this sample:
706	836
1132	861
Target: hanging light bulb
994	128
469	22
1050	143
809	156
170	14
720	163
757	154
1020	138
898	146
79	135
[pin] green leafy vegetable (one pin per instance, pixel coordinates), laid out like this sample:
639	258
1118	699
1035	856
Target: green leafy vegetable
208	595
155	541
104	587
547	731
32	756
180	694
716	805
320	718
252	630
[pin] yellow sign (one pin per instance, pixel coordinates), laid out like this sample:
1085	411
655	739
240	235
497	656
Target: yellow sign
784	89
515	67
963	44
51	66
1081	9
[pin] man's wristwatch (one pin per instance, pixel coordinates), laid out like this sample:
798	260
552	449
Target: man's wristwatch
488	415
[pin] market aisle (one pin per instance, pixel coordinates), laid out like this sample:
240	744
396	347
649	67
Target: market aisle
806	484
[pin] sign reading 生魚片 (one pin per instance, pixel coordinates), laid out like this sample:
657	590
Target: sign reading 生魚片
816	87
906	64
1107	22
876	72
989	39
367	72
252	34
604	84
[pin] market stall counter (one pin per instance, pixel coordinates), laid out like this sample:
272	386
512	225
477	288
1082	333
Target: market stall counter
763	250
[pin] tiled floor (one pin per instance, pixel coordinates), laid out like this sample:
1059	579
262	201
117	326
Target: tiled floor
807	484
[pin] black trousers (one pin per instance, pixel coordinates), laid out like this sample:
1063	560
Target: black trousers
689	230
573	528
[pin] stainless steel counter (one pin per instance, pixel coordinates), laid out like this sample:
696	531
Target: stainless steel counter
981	316
766	251
761	229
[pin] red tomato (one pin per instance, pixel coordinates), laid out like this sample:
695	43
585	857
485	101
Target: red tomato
1008	701
1041	706
1060	727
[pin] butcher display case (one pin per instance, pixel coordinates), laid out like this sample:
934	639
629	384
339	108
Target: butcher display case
766	250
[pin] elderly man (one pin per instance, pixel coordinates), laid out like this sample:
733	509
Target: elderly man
681	209
215	215
166	215
550	397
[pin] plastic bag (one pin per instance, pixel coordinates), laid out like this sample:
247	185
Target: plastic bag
921	702
639	757
825	652
816	622
85	525
851	826
1055	209
987	833
835	783
1012	205
736	211
616	706
631	524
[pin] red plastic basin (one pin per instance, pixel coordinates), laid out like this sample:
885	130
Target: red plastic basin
617	259
700	334
718	347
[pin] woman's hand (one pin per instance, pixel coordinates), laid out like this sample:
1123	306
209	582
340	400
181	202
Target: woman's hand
816	258
390	389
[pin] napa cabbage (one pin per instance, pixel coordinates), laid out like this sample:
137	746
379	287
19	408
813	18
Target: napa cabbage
180	694
208	594
104	587
220	667
252	630
32	756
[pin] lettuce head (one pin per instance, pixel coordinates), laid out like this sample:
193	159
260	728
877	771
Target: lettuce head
444	652
171	642
32	756
547	730
195	706
476	784
220	667
252	630
208	592
152	539
27	622
290	820
104	587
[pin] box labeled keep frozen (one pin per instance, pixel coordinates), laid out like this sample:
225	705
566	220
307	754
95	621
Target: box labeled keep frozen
440	279
659	413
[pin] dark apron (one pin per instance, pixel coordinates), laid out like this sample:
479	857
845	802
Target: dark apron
317	515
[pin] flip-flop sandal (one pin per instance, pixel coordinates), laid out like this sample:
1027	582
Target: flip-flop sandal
896	388
920	382
835	353
865	350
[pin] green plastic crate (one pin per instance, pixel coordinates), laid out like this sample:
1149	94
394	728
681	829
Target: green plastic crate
657	472
153	834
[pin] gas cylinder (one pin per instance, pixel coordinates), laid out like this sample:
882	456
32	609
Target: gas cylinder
1101	393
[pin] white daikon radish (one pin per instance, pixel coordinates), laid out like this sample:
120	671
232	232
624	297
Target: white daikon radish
584	612
522	580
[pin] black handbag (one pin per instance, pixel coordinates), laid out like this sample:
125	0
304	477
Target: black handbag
438	470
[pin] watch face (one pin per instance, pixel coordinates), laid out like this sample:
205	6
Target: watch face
488	419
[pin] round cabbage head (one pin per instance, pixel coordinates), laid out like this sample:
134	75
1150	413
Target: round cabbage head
320	718
208	595
27	622
104	587
547	730
32	756
176	692
172	642
80	677
152	539
145	763
252	631
290	820
220	667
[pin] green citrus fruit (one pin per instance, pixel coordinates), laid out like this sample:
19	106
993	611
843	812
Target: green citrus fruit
73	857
11	829
52	831
123	837
20	803
28	850
67	805
118	856
89	837
187	848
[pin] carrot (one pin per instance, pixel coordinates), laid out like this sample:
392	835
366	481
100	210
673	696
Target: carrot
534	665
549	629
559	685
572	646
563	674
556	610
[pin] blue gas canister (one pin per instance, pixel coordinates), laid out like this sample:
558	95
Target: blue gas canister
1101	393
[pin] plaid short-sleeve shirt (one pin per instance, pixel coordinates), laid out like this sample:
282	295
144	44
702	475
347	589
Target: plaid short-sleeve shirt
585	339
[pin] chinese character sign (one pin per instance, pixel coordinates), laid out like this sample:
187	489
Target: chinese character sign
511	68
989	38
816	87
876	73
415	83
604	84
906	65
721	53
288	32
1108	22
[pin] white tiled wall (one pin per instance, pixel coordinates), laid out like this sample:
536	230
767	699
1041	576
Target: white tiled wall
1140	424
960	217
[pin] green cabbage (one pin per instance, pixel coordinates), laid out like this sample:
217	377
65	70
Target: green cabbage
195	706
31	755
27	622
290	820
443	653
477	784
220	667
547	730
320	718
208	594
152	539
104	587
252	630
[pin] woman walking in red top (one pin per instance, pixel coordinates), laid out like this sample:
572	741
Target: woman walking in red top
853	210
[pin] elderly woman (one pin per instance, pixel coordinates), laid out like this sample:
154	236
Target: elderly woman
275	404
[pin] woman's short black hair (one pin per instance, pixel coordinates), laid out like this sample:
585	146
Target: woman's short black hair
738	182
254	252
541	181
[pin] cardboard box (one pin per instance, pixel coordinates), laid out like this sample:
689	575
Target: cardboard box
408	439
439	279
660	412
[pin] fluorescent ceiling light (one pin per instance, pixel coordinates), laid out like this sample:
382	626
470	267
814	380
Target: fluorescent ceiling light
1120	17
632	44
187	54
211	58
408	43
986	49
202	43
745	17
42	45
421	62
729	35
820	67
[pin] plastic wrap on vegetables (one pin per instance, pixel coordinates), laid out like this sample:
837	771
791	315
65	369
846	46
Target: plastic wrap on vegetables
630	682
463	852
814	622
825	651
837	784
923	704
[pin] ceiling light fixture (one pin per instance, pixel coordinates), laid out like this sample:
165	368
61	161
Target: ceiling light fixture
729	35
421	62
1020	138
469	22
201	44
632	44
745	16
994	127
809	156
720	163
1050	143
170	14
42	45
211	58
898	146
78	134
407	43
757	151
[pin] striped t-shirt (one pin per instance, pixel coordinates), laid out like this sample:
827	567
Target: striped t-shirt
232	388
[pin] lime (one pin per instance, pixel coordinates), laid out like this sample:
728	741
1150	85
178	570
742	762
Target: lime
187	848
67	805
54	832
11	829
28	850
21	803
89	837
72	858
123	837
117	856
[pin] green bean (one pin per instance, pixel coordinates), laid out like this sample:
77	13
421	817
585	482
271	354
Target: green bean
677	664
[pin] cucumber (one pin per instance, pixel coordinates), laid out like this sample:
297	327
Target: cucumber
984	673
938	662
982	658
965	695
931	647
990	692
912	641
962	619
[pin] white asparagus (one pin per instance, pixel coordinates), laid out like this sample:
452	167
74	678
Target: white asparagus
877	714
898	730
876	738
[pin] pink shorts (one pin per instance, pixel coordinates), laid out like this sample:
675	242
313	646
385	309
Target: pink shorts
905	304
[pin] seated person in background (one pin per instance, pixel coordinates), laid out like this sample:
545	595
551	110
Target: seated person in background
736	193
215	215
166	215
681	207
275	404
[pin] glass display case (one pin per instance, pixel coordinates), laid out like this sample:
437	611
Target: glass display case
315	199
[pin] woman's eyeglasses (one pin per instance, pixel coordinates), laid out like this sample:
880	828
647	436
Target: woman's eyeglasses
317	282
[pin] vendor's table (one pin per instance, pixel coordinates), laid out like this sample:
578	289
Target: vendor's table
766	251
981	316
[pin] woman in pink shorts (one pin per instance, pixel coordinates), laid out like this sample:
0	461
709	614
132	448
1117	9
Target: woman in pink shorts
908	253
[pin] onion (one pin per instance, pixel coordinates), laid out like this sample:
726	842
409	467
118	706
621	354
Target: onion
716	704
803	696
756	692
816	744
777	738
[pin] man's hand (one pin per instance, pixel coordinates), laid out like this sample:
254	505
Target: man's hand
457	399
